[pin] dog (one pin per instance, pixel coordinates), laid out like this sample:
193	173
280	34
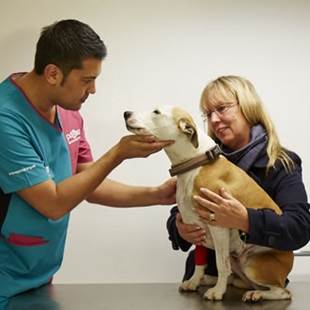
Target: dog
197	161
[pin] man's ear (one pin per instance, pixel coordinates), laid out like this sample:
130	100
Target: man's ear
189	129
53	74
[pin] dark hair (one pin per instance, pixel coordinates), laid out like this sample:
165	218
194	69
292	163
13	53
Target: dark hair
66	44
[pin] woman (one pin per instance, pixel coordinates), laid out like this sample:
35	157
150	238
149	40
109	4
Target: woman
237	121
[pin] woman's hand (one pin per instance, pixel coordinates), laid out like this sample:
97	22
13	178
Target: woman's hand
222	210
191	233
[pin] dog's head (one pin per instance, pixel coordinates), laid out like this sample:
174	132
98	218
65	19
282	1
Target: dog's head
165	123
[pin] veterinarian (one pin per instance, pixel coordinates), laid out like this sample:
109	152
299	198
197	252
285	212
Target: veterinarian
236	119
46	164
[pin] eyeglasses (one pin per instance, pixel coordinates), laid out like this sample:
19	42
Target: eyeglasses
220	111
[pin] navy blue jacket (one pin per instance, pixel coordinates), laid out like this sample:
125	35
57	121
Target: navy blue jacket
290	231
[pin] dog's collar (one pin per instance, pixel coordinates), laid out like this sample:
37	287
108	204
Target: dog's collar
193	163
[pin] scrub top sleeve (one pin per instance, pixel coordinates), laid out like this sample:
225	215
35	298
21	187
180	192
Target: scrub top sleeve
20	165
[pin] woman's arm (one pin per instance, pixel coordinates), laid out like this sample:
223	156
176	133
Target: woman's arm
291	230
182	235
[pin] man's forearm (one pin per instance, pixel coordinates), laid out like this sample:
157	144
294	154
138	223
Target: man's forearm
87	181
55	200
112	193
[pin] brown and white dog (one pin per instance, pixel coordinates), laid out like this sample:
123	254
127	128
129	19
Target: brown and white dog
261	269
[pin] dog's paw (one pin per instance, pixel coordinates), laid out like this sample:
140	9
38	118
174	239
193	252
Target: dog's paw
213	293
252	296
188	285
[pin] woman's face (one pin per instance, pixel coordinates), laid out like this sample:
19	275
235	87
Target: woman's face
228	124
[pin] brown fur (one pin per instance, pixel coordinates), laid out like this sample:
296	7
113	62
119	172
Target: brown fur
190	128
221	173
276	265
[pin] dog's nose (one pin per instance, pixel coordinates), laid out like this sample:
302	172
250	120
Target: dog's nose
127	114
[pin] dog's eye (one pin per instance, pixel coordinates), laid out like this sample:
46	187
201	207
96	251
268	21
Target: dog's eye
156	111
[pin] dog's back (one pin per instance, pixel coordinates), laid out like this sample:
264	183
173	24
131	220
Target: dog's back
224	174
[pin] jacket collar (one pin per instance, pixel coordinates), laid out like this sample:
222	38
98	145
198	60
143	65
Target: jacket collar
254	153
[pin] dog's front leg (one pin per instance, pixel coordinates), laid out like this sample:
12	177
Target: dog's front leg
198	276
221	238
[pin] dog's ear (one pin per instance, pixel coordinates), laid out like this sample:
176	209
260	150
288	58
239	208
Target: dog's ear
188	127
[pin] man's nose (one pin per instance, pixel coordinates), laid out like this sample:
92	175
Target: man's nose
127	114
92	88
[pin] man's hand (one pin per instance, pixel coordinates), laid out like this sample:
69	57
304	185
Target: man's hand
138	146
191	233
166	192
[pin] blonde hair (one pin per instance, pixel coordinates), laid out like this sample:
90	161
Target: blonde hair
235	89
